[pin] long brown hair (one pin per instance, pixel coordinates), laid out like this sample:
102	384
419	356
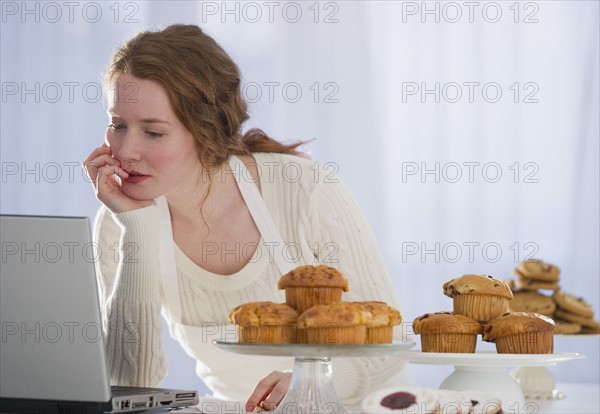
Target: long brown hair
203	85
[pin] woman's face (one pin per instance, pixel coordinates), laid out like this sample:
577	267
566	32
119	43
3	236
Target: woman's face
146	136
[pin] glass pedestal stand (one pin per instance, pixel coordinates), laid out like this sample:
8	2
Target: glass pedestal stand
311	389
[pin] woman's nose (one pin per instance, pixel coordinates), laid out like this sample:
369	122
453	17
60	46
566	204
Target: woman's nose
129	151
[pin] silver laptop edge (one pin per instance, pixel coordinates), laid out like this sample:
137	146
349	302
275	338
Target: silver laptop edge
52	345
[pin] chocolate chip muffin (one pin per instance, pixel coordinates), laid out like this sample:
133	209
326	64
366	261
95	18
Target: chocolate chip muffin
480	297
521	333
447	332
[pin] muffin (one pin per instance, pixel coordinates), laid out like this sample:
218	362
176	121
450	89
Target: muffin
480	297
307	286
385	317
265	322
447	332
334	323
521	333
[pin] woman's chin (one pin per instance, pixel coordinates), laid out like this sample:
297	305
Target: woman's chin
139	195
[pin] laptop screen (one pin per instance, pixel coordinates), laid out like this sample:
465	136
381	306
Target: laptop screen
52	345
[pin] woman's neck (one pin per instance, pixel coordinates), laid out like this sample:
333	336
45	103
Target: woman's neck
186	200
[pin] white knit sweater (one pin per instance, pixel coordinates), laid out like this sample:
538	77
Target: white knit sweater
316	216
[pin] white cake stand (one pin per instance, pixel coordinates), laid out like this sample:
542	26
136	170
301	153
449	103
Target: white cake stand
538	383
487	371
311	388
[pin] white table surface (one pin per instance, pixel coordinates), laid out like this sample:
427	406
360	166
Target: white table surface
580	398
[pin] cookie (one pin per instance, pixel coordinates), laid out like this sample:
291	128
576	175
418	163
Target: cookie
571	317
529	301
532	284
590	331
539	270
573	304
564	327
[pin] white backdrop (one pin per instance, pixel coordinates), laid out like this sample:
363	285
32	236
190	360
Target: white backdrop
467	131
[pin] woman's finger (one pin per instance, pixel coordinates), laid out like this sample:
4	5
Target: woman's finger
104	149
105	180
265	387
92	166
277	394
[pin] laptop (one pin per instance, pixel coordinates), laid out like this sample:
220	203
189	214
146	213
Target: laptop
52	350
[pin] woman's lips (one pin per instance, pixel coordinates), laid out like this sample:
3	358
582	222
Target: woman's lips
135	177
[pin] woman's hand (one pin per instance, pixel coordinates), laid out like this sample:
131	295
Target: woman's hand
269	391
100	167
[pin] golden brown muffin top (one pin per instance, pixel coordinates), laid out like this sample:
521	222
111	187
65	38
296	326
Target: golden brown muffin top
263	313
446	322
512	323
334	314
383	314
313	276
478	285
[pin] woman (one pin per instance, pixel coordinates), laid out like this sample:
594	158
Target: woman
206	219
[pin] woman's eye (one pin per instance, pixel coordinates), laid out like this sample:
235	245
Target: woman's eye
116	127
154	134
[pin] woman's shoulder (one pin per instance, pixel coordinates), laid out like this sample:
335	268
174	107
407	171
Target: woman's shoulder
294	169
274	158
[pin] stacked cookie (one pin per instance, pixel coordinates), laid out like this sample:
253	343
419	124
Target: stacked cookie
480	304
314	313
571	314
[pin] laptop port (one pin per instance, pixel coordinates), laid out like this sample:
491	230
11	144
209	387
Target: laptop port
151	401
185	395
125	404
139	404
166	402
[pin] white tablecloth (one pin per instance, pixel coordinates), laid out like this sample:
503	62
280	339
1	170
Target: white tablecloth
580	398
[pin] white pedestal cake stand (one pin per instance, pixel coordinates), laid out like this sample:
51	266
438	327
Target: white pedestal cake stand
538	383
311	388
487	371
